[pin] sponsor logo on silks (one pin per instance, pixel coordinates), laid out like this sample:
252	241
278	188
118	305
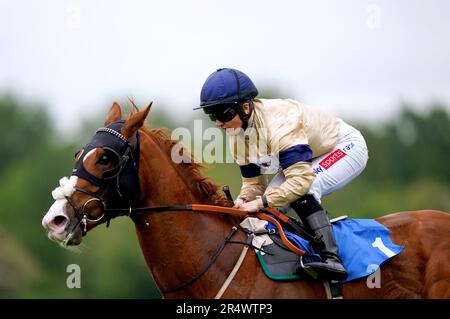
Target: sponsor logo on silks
348	147
317	170
332	159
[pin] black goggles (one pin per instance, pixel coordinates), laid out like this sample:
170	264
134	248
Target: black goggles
222	113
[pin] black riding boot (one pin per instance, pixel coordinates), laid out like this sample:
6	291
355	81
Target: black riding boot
316	221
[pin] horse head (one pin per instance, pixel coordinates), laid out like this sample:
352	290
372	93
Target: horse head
105	174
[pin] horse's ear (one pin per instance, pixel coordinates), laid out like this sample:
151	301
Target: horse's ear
114	114
135	122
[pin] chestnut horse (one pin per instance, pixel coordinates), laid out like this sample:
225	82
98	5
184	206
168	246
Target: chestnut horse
181	247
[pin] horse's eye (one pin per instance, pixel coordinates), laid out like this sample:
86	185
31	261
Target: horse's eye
104	160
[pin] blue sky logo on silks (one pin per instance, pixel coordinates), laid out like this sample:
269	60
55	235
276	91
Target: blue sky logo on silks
364	244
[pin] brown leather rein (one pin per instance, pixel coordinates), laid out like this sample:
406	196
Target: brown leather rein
111	213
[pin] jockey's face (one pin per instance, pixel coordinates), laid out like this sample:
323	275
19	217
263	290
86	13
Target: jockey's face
236	122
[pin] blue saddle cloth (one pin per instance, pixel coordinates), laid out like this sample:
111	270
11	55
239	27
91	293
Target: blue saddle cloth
364	244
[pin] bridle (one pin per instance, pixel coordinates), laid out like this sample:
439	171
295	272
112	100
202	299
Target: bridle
123	178
81	214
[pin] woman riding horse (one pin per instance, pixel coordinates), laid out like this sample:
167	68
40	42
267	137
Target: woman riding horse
313	153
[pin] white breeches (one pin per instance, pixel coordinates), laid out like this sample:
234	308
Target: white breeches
338	167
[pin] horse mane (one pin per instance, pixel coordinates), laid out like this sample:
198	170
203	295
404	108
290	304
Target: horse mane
204	186
192	170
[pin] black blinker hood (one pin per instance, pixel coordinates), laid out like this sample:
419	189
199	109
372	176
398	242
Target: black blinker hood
127	152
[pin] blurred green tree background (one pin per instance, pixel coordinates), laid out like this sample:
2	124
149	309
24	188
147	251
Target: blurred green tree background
406	171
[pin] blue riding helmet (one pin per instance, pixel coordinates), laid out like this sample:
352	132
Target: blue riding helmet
226	86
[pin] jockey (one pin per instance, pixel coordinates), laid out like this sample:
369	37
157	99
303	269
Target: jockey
311	152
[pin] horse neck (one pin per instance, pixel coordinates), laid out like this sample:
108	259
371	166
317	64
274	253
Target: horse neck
176	245
164	182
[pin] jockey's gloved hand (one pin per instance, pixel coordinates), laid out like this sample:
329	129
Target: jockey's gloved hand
238	202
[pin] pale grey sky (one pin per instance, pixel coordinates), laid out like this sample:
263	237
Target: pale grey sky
356	58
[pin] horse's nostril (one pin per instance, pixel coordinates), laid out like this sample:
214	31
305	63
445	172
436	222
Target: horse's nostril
59	221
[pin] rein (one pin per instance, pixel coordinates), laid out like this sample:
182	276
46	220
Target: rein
214	209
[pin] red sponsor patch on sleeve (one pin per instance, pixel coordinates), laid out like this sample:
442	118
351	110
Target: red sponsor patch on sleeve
332	159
